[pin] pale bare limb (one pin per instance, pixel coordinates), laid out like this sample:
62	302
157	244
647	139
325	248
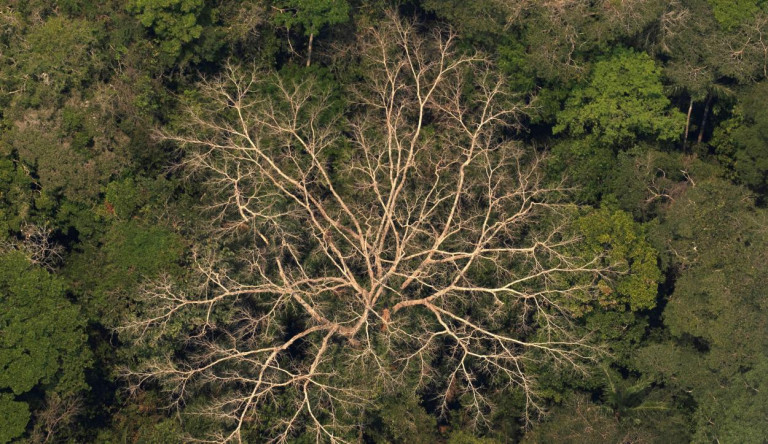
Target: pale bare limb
407	227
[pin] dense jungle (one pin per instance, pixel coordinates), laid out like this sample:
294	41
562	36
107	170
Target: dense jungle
384	221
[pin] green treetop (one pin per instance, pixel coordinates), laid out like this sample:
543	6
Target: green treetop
732	13
623	101
622	242
42	340
741	141
716	315
14	417
174	22
311	15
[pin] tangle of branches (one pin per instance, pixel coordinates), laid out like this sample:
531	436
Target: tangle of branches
401	240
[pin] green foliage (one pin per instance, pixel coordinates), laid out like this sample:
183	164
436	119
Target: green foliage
643	180
16	202
562	40
742	141
463	437
631	398
580	420
712	233
175	22
60	57
585	163
732	13
738	408
622	102
401	418
125	198
43	339
621	240
717	313
132	247
130	252
71	157
187	32
512	63
311	15
143	421
717	45
621	107
473	19
74	123
14	417
84	83
621	331
577	421
43	342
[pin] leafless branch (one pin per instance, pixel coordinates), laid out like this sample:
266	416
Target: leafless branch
406	227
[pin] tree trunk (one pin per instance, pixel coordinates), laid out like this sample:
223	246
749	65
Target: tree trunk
704	120
687	124
309	49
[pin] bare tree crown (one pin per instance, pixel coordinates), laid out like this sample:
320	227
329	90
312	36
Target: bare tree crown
407	226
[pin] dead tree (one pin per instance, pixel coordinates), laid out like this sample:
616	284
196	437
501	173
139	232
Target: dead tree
367	242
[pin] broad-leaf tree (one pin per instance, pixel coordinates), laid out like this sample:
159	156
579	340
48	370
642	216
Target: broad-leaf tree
620	106
623	101
43	341
717	313
742	141
311	16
